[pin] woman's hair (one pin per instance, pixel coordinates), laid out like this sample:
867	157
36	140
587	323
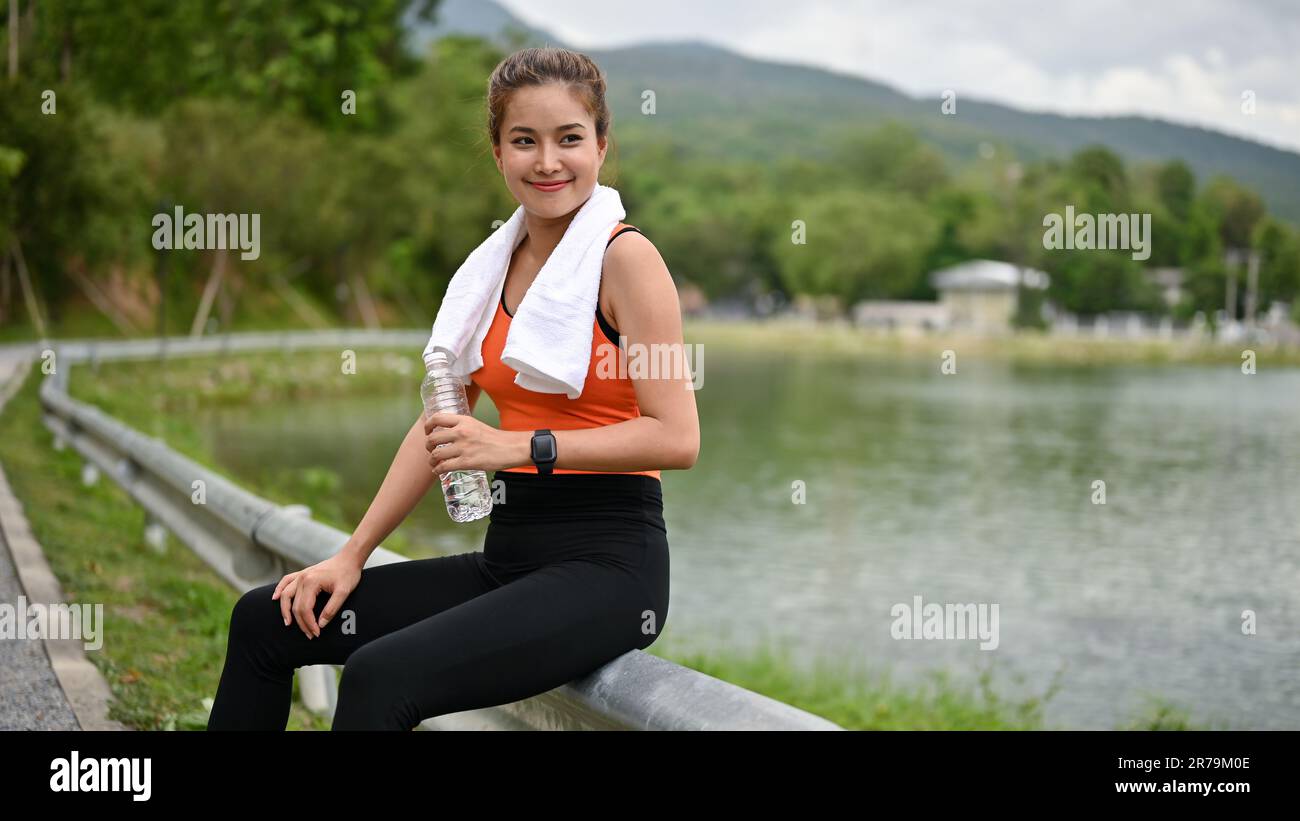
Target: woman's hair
540	66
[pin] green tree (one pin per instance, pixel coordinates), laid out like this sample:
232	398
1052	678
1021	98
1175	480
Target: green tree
55	199
1235	209
1099	176
1279	268
891	158
296	57
1176	188
860	245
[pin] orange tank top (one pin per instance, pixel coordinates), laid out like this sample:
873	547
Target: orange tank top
604	401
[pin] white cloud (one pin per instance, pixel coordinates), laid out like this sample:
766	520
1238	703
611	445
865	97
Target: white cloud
1182	60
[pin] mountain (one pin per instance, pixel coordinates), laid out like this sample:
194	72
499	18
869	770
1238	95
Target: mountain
479	18
725	104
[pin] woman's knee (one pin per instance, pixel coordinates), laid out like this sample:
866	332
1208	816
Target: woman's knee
254	613
373	692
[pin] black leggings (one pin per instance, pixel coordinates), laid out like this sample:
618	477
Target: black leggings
573	573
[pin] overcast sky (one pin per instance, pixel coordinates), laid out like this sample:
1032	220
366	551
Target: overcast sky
1188	61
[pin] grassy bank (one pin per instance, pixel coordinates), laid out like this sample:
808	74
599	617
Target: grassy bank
167	620
783	336
165	617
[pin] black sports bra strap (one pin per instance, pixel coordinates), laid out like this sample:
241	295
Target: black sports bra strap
622	232
610	332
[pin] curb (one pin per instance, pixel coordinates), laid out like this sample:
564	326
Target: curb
83	685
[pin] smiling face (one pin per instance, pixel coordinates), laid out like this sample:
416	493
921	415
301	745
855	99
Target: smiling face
547	135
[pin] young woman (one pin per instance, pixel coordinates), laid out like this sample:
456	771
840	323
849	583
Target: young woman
574	567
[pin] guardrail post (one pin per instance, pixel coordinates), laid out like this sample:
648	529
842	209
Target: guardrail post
126	470
155	534
319	688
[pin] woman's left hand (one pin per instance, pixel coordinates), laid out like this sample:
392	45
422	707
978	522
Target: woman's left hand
468	444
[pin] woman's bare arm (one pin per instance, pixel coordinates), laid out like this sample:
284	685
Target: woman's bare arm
409	478
648	311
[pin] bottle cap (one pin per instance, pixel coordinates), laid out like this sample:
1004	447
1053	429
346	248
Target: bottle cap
435	358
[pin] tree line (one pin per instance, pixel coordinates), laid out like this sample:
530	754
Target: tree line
372	173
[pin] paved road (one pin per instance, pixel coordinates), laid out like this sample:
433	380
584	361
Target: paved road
30	695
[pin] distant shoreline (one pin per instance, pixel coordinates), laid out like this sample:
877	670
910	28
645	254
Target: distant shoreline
841	338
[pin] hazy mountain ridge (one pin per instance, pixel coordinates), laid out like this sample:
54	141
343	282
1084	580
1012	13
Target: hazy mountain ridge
775	108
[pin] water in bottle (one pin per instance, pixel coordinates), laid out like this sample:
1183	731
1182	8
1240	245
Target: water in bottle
466	491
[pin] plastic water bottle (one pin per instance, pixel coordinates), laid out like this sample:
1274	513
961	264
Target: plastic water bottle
466	491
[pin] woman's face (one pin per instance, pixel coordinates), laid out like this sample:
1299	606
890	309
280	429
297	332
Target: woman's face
548	136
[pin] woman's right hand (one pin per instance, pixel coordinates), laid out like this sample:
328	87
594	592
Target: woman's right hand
337	575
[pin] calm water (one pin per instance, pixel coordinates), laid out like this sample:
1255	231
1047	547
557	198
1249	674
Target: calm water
968	488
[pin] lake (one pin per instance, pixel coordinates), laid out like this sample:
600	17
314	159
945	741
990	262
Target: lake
973	487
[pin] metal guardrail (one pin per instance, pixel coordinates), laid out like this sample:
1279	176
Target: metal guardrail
252	541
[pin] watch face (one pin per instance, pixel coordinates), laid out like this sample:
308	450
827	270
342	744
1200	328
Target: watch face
544	448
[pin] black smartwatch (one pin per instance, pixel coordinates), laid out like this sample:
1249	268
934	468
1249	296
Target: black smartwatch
543	451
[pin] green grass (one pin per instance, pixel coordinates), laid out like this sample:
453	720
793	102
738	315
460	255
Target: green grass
780	336
858	698
79	324
1160	714
168	619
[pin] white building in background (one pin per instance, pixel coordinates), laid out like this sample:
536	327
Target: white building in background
1170	282
907	315
982	295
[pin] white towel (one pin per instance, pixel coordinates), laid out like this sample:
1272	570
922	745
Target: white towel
549	341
